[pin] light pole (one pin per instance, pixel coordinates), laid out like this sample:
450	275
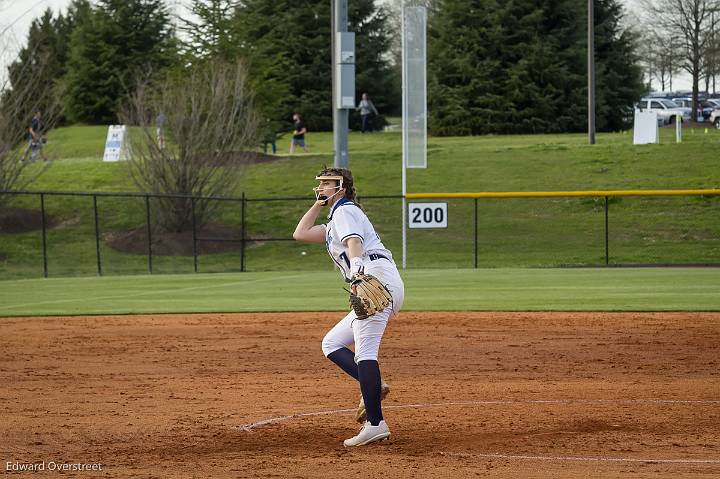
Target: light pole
591	72
340	115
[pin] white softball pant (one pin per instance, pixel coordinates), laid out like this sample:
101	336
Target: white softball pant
367	333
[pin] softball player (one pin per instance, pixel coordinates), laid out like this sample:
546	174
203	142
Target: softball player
354	246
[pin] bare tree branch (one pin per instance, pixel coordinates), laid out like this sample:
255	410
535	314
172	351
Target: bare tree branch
689	21
661	56
207	124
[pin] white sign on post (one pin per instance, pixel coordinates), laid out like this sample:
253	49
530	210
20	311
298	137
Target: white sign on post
115	147
645	128
427	215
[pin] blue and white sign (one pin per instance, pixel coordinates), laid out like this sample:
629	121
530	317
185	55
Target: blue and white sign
115	144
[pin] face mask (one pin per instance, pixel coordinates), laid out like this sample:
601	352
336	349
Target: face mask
339	186
318	196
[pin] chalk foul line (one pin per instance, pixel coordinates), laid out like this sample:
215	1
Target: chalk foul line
523	457
586	459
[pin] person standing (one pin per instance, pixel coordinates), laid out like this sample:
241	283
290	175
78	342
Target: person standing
160	130
355	248
298	138
35	136
366	107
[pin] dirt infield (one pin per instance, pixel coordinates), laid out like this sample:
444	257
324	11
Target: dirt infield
474	395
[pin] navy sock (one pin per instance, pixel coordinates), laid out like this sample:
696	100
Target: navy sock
345	358
369	373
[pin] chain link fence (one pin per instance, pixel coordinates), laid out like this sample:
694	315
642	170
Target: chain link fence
89	234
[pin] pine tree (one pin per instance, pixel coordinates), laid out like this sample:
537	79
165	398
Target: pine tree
37	60
92	83
546	67
296	36
619	74
295	41
120	39
213	34
210	34
520	67
78	12
464	67
44	57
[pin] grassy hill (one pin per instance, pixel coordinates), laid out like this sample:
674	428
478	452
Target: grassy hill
511	232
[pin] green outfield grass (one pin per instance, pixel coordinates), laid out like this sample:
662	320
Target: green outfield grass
650	289
511	233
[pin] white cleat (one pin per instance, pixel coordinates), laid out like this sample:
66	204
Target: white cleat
361	414
369	434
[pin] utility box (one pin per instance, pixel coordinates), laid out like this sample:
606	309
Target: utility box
345	70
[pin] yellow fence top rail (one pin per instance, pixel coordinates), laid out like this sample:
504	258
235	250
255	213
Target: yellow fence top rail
556	194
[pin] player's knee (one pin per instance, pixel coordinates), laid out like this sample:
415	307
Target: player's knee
365	356
330	345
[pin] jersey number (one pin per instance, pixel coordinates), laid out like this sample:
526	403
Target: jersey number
345	258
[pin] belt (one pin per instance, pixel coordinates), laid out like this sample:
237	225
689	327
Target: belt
375	256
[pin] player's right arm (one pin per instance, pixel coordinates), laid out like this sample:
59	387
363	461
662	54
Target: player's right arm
306	230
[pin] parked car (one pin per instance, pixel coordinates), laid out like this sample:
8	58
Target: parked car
707	105
628	116
666	109
715	118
